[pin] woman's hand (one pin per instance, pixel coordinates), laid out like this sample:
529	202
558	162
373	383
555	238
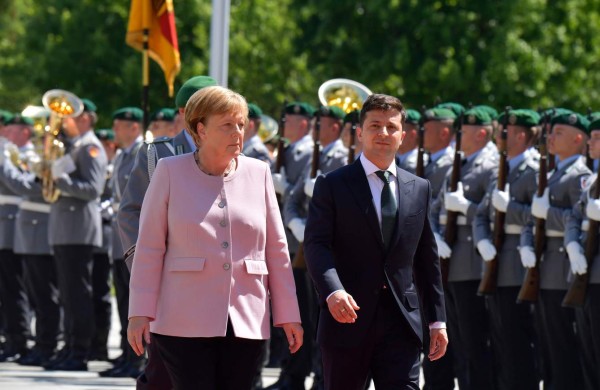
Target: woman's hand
140	327
294	333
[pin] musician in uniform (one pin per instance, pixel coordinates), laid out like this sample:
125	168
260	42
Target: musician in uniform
467	316
566	142
253	145
75	229
162	123
155	375
408	151
511	325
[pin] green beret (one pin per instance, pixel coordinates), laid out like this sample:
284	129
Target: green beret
439	114
594	124
105	134
88	105
492	112
456	108
552	112
163	114
332	112
573	119
192	86
413	116
300	108
593	116
352	117
521	117
4	116
18	119
254	111
477	116
132	114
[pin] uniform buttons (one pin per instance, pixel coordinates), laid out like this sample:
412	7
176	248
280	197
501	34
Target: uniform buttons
226	266
469	238
221	204
34	222
561	249
223	223
225	245
10	216
72	208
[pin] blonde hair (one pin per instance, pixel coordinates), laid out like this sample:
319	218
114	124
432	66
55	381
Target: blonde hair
212	101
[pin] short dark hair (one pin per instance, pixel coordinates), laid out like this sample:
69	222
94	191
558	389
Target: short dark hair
381	102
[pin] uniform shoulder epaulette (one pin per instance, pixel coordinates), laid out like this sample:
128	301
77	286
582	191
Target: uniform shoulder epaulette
160	140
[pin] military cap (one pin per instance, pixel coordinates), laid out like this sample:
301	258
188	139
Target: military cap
456	108
163	114
132	114
352	117
332	112
493	113
300	108
254	111
521	117
593	116
552	112
477	116
105	134
4	116
594	124
192	86
439	114
88	105
413	116
573	119
18	119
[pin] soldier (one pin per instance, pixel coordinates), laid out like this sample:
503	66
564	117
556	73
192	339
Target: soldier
346	137
587	317
75	229
513	334
567	141
162	123
127	126
155	375
408	152
12	285
467	317
253	146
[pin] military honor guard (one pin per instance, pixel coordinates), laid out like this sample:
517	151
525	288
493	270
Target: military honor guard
253	145
162	123
408	151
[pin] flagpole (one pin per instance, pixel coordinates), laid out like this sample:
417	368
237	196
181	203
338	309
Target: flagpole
145	78
219	41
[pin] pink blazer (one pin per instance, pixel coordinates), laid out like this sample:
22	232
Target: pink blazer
210	248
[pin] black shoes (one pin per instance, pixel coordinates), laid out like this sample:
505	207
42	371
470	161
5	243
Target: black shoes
124	370
12	354
37	357
61	355
287	383
72	363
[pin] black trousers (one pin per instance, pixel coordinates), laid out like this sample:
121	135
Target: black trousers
74	270
588	324
13	296
558	327
513	341
210	363
40	276
121	282
102	302
155	375
390	352
469	326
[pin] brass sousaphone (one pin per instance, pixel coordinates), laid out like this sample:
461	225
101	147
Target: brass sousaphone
349	95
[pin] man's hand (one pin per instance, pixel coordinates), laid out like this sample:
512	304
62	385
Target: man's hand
500	199
577	258
63	166
592	210
437	344
139	327
456	201
540	205
443	248
343	307
527	256
309	185
297	226
486	249
294	334
280	182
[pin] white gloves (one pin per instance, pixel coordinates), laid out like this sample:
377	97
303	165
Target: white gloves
4	155
577	258
540	206
527	256
592	210
280	182
456	201
500	199
486	249
309	184
62	166
443	249
297	227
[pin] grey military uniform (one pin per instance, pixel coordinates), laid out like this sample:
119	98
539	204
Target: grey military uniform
106	213
122	169
74	217
436	171
408	161
522	181
128	216
476	176
297	156
255	148
565	188
9	205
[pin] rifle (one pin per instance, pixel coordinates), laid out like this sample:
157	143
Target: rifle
354	124
531	284
589	160
420	170
489	280
451	216
280	160
299	260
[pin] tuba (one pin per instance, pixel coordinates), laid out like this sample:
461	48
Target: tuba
61	104
346	94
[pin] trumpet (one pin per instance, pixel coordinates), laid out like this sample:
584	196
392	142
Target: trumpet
349	95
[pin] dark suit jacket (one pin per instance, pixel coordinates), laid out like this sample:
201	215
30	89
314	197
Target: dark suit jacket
344	250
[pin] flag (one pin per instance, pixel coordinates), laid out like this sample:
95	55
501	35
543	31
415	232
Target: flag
158	16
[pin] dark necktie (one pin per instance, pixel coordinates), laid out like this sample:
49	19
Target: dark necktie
389	208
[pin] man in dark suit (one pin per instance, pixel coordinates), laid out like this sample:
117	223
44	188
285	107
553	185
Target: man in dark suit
370	250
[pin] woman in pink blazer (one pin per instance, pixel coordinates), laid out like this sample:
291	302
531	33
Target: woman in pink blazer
212	258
